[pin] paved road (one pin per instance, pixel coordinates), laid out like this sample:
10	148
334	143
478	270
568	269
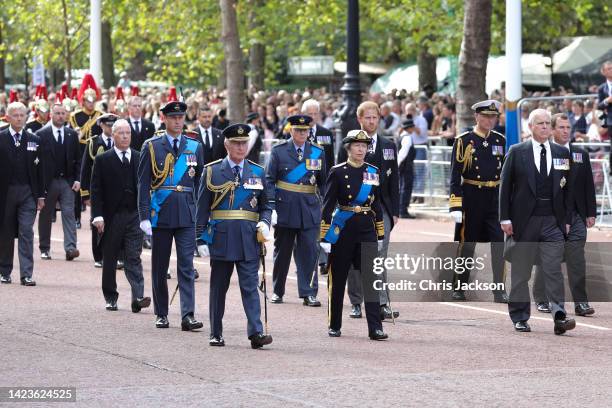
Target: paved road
439	354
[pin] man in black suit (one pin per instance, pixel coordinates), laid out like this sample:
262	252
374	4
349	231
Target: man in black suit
114	193
142	129
604	100
533	202
382	153
583	211
21	194
210	137
255	137
96	145
59	146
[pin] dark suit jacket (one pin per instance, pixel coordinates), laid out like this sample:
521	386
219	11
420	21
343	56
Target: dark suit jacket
72	158
387	168
217	150
147	130
517	193
7	158
106	183
326	139
91	151
581	182
602	94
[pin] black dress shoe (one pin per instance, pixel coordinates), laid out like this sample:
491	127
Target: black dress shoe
583	309
500	297
140	303
276	299
168	275
27	282
71	254
120	264
259	340
522	326
355	312
458	295
146	243
334	333
5	279
216	341
97	264
564	324
322	269
111	305
378	335
189	323
196	274
387	314
311	301
161	322
543	307
45	255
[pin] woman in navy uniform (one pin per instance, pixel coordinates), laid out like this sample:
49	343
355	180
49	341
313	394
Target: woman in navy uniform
352	215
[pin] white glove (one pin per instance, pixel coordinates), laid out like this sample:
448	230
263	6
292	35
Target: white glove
274	218
457	216
145	226
265	230
380	245
326	246
203	251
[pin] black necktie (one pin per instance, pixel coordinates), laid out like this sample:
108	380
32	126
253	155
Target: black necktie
108	144
59	136
311	137
207	141
237	173
175	146
17	139
543	169
299	152
125	159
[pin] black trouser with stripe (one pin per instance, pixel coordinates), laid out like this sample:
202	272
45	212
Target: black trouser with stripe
357	246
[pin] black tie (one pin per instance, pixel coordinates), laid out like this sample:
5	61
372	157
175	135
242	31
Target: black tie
137	126
175	146
17	139
125	160
59	136
311	137
543	169
299	152
207	143
237	173
108	144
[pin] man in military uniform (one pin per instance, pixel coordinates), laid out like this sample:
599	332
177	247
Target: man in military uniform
233	212
169	175
477	160
96	145
295	171
84	121
41	108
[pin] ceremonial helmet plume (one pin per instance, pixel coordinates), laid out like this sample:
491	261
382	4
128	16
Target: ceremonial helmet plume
88	90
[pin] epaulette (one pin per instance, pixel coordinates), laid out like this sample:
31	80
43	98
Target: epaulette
213	162
281	143
159	132
339	165
253	163
462	134
191	134
497	133
371	165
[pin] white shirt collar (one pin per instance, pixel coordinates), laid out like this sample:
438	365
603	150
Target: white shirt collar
55	129
13	131
536	144
135	120
128	153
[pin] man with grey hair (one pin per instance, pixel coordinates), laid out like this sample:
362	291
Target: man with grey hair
114	209
21	194
533	213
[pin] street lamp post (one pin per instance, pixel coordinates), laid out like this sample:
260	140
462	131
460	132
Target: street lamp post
351	90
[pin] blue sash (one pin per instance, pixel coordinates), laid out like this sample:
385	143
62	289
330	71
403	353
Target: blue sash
240	194
180	167
299	171
340	217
